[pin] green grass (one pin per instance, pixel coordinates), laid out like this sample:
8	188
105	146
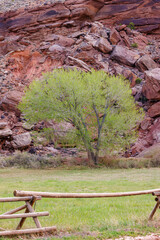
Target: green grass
87	218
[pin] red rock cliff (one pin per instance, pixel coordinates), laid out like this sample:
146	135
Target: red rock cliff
76	32
145	14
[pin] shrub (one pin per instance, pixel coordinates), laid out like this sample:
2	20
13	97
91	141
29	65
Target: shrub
131	26
30	161
26	160
138	80
134	45
111	162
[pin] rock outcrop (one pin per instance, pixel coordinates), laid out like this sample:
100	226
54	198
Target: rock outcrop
80	34
5	132
143	13
21	141
145	63
151	89
10	101
125	56
154	110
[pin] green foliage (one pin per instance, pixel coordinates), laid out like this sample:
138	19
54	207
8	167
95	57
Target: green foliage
131	26
61	138
134	45
98	105
44	137
69	139
138	80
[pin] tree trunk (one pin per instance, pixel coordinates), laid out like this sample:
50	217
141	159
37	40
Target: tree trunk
92	157
87	144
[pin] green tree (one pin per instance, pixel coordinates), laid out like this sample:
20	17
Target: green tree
98	105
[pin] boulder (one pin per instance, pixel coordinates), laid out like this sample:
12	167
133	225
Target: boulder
150	132
125	38
2	38
128	74
3	125
121	27
156	135
104	46
155	131
114	36
99	29
6	132
138	147
146	63
92	40
87	57
150	152
10	101
124	55
21	141
65	41
151	88
8	46
154	110
56	48
146	123
52	37
141	41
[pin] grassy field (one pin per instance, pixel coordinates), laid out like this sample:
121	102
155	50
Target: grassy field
87	218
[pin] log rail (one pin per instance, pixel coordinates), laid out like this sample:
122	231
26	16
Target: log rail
154	192
28	231
17	199
29	212
82	195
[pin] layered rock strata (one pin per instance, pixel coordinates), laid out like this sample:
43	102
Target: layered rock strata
143	13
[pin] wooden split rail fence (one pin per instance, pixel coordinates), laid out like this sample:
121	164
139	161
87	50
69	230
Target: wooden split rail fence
154	192
31	197
29	212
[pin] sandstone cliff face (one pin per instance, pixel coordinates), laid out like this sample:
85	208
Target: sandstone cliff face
145	14
79	33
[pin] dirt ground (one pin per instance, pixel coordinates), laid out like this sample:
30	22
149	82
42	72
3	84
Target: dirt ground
149	237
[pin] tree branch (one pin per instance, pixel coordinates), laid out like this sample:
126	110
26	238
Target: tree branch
97	116
99	132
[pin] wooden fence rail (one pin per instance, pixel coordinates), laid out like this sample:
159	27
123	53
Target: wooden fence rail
29	212
82	195
17	199
22	215
155	192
